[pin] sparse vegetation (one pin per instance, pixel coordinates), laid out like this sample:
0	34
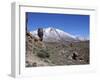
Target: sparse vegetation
43	53
61	54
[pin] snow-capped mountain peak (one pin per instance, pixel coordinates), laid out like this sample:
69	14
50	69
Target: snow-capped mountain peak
51	34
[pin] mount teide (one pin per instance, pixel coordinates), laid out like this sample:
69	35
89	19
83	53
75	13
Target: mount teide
55	35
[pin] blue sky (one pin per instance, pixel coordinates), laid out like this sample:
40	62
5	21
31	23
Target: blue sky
77	25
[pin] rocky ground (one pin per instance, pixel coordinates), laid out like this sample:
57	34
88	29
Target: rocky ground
54	54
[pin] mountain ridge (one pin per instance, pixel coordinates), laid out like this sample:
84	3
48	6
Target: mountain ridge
55	35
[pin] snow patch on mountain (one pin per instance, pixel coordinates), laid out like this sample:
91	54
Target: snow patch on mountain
55	35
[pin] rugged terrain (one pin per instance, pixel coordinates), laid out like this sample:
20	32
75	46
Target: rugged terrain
51	54
57	48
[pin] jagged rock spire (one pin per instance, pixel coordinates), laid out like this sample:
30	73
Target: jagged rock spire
40	33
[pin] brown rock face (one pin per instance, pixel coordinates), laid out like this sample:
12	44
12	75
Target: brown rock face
33	41
29	42
40	33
